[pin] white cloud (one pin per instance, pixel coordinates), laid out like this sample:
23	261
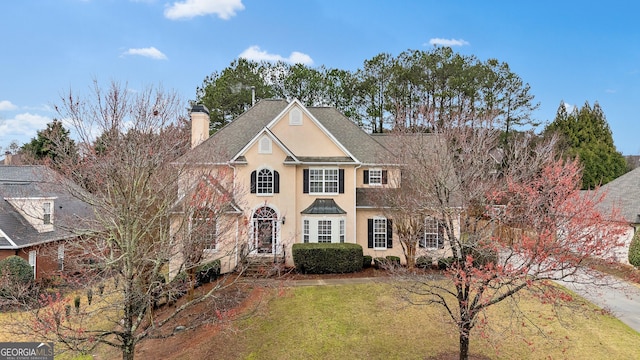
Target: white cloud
254	53
188	9
23	126
150	52
448	42
6	105
608	91
568	107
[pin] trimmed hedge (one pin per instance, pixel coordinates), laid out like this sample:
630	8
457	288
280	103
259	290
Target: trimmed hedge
16	267
634	250
366	261
312	258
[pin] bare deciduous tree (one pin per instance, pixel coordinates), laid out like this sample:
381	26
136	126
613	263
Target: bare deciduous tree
508	224
130	176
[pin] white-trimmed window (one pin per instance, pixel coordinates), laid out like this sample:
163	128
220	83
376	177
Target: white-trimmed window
264	145
433	237
265	182
204	229
46	211
375	177
323	181
380	233
323	230
305	231
61	257
32	261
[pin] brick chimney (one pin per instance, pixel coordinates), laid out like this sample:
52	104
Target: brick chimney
199	124
7	158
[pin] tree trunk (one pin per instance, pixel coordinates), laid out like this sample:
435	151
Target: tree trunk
464	345
128	350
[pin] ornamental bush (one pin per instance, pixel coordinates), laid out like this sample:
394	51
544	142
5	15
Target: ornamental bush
366	261
424	262
312	258
634	250
17	268
208	272
393	260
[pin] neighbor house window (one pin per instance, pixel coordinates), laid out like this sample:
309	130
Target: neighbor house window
61	257
375	177
46	210
380	233
32	261
323	181
341	231
433	237
265	182
204	229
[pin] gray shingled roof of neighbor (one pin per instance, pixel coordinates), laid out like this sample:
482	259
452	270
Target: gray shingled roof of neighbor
230	139
624	193
38	182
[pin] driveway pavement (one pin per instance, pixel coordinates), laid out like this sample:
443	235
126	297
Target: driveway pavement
620	297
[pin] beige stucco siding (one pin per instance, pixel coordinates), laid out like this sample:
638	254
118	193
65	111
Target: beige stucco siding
232	229
362	236
393	176
306	139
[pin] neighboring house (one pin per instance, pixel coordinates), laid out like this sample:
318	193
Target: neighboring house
37	214
624	193
300	175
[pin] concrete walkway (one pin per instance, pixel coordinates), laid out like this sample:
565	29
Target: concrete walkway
619	297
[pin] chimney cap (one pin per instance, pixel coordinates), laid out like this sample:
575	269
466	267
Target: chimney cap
200	108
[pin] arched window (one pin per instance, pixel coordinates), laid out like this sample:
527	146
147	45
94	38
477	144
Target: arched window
265	182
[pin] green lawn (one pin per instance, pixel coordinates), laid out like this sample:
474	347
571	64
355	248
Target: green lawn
369	322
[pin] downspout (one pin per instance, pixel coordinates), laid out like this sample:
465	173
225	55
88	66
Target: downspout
355	214
235	248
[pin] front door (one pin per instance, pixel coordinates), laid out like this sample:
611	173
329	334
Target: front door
265	221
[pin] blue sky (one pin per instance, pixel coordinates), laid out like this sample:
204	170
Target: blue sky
571	51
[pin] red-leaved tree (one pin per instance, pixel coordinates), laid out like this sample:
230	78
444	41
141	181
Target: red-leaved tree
510	219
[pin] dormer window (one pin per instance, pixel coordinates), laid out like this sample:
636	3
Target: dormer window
46	213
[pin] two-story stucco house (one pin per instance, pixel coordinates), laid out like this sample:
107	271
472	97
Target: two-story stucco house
300	175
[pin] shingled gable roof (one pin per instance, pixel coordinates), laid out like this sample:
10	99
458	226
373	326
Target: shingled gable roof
623	193
229	141
36	182
273	137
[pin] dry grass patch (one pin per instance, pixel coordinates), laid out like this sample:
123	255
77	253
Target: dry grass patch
369	322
